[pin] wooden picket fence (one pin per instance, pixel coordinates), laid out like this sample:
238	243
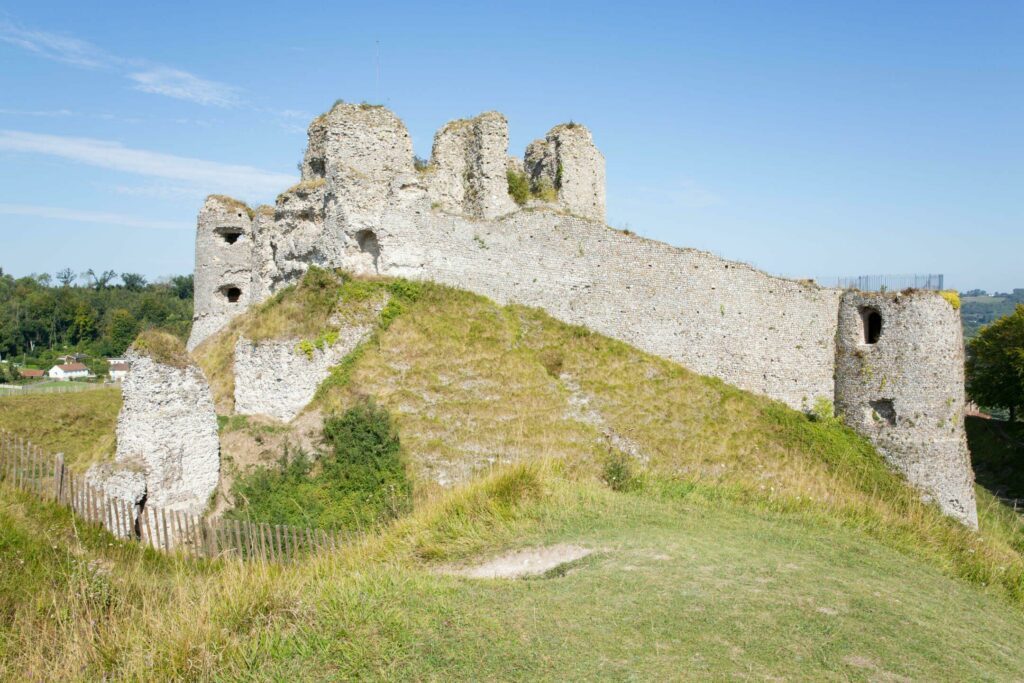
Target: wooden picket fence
28	468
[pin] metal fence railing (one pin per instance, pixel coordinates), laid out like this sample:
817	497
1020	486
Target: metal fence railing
885	283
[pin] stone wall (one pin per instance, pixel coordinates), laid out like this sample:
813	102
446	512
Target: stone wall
363	207
224	258
468	169
168	451
568	161
900	382
278	379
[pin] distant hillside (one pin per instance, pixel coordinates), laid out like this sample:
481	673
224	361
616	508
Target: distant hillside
978	308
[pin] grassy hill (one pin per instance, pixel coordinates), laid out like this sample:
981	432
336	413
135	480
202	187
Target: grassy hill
734	537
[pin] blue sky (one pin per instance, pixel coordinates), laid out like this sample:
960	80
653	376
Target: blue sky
810	139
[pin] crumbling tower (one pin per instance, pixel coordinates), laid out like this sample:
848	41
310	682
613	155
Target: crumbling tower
900	382
224	246
568	161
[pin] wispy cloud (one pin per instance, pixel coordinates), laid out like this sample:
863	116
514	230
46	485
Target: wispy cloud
57	213
42	113
182	85
245	181
147	77
60	48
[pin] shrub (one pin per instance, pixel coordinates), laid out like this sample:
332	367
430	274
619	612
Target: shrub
823	410
617	471
358	481
518	187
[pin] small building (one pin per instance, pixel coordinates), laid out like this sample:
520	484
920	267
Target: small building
117	361
69	371
31	374
118	371
72	358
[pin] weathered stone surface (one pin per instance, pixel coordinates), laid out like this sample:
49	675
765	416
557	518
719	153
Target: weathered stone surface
167	430
567	160
124	482
224	257
278	379
905	391
470	162
372	213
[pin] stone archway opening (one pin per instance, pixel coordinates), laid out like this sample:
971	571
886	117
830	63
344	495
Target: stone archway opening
368	244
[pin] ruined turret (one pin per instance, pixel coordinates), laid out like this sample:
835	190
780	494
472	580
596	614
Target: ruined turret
224	249
468	171
567	161
900	382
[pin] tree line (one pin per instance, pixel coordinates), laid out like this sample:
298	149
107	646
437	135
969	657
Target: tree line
95	313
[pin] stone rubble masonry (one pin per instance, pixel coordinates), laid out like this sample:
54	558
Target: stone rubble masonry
278	379
567	160
168	450
363	207
469	164
224	256
905	392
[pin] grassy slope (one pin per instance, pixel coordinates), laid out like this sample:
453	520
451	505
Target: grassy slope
683	584
758	543
515	395
80	425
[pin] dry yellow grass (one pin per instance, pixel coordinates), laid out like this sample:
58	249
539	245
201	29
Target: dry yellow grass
80	425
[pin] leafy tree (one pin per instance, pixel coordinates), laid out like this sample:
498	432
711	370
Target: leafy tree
83	327
66	277
122	328
995	364
183	286
134	282
101	281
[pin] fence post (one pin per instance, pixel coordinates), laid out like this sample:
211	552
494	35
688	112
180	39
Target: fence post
58	477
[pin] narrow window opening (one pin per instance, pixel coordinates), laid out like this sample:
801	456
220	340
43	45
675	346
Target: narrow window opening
872	325
233	294
883	409
231	237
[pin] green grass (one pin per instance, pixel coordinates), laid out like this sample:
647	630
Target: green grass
80	425
527	388
747	541
683	584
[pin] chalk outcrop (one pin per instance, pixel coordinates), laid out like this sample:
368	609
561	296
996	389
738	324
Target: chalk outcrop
364	207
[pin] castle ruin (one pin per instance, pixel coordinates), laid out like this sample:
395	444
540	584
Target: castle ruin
892	362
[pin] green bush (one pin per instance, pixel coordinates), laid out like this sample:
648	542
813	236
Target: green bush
518	187
617	471
358	481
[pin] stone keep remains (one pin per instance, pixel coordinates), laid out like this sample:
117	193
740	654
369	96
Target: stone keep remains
892	363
